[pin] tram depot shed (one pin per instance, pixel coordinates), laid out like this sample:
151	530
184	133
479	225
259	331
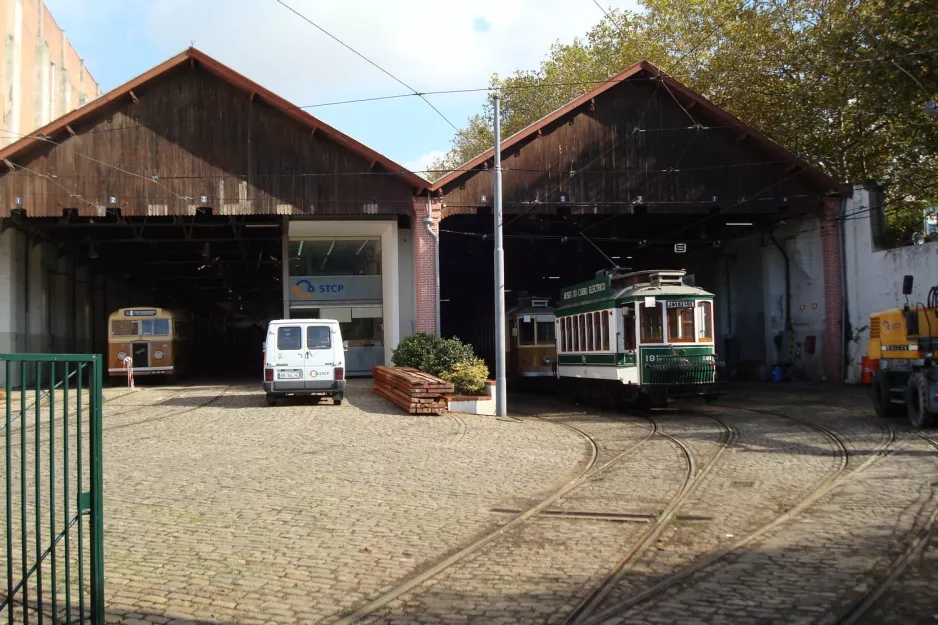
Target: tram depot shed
191	186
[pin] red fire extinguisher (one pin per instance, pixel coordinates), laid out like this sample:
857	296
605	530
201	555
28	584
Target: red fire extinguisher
809	344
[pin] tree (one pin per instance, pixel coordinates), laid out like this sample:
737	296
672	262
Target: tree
842	83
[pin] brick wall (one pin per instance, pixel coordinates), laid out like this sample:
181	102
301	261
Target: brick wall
833	289
425	263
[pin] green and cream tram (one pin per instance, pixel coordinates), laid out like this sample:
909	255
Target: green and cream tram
640	337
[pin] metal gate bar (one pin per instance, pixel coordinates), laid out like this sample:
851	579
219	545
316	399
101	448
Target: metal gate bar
37	371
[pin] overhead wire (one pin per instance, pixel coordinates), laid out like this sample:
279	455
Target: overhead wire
370	62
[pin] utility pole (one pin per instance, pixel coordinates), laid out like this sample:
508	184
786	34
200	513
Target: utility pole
500	392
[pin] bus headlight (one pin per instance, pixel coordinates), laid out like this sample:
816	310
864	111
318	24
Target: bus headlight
158	355
547	361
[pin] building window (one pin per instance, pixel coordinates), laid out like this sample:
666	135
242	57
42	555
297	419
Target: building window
652	331
681	325
335	257
705	321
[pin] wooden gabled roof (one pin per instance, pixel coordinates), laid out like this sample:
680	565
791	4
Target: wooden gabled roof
809	172
197	57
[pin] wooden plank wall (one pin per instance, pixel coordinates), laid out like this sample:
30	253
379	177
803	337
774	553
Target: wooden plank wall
196	135
633	140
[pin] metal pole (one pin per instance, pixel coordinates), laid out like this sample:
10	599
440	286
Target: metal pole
500	399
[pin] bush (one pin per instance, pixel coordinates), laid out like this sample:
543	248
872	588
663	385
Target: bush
446	355
414	350
468	377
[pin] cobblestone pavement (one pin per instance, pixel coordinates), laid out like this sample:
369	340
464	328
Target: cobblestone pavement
779	505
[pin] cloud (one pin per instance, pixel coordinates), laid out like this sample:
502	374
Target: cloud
423	161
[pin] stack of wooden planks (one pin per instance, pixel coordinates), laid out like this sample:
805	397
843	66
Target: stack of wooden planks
414	391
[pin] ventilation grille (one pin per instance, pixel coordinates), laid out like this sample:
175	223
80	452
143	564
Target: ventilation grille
874	328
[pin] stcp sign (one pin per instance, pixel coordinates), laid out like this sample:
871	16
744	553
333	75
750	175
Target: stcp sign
334	288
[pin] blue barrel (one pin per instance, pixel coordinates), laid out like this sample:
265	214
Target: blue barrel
777	373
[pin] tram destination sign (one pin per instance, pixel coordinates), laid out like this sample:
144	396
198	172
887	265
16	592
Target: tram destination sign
140	312
680	303
585	290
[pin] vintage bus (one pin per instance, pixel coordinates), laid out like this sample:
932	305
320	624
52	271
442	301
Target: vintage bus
156	340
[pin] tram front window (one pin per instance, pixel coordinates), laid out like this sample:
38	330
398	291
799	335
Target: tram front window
681	325
652	330
526	331
545	332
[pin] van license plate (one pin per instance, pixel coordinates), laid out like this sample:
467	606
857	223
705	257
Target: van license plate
289	375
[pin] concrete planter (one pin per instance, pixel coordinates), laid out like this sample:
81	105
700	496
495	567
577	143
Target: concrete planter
474	404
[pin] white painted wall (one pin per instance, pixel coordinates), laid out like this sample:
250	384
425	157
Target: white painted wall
408	294
874	277
750	293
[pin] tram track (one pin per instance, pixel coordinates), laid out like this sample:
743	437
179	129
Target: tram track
694	475
834	478
862	605
481	542
693	479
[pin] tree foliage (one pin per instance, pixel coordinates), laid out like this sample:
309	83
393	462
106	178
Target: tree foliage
842	83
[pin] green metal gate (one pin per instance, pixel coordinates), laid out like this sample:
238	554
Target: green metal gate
53	518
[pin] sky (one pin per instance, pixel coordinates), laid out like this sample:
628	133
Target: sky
428	44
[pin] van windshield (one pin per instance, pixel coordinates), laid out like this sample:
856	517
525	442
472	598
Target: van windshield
289	337
318	337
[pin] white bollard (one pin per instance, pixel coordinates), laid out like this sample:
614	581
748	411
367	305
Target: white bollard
129	366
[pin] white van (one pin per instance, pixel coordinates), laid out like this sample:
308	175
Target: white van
304	357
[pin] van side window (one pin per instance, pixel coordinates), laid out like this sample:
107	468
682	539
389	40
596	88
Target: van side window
289	337
318	337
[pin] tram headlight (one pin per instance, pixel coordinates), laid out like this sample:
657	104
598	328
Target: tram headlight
158	355
121	356
547	361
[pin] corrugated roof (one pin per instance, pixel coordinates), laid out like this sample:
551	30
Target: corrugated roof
195	56
809	172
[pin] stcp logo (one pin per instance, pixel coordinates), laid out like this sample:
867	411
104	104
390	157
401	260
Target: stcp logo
304	289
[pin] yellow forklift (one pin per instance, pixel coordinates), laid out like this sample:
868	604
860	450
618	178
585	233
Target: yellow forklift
904	341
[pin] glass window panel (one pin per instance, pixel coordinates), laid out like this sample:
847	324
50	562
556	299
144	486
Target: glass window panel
545	332
628	327
335	257
526	331
584	346
289	337
705	321
652	331
318	337
605	317
681	325
589	333
124	327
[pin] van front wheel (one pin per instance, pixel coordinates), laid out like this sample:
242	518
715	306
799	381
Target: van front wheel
337	399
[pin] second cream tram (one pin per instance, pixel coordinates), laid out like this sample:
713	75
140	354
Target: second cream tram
155	339
531	345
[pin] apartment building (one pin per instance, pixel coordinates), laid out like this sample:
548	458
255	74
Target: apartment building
41	75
